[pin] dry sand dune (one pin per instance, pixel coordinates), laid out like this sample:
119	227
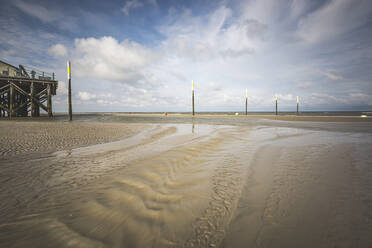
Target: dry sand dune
183	185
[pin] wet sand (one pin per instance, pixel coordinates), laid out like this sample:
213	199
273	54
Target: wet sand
185	185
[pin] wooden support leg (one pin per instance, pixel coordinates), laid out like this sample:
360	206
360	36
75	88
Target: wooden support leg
11	99
37	109
3	104
24	109
32	102
49	101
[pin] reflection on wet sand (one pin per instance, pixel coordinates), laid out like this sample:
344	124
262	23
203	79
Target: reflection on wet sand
146	192
216	186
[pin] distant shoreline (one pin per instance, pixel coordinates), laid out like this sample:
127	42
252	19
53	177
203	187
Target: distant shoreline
214	115
267	117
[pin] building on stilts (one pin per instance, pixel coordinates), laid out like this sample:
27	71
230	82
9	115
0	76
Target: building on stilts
24	91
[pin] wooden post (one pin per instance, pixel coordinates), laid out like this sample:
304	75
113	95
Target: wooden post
246	102
276	104
298	102
37	109
49	100
32	102
69	90
193	105
11	99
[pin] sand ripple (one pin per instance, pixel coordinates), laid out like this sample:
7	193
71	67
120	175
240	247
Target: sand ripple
25	137
179	185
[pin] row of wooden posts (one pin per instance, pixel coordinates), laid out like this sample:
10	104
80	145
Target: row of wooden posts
246	101
192	96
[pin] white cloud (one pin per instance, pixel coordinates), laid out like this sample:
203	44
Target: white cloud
304	85
57	50
298	8
360	99
105	102
38	11
348	99
62	88
336	17
53	16
106	58
324	99
85	96
130	5
286	97
332	76
213	86
216	35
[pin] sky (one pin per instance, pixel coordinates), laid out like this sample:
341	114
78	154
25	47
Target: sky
142	55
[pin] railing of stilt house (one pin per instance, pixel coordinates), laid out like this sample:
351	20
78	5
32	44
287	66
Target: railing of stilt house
34	73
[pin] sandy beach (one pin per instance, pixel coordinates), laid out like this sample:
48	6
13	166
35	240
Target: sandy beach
164	184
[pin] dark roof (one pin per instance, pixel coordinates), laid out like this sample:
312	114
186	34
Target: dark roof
8	64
